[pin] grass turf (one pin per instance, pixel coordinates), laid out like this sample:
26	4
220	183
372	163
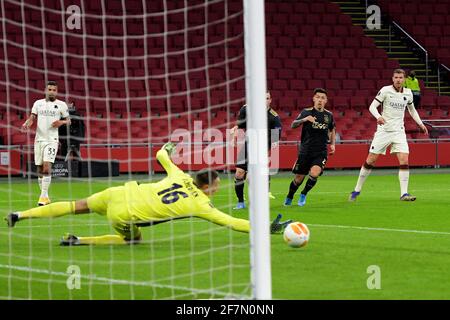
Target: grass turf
191	258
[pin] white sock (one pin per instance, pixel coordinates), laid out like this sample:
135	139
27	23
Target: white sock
40	183
403	177
363	174
46	180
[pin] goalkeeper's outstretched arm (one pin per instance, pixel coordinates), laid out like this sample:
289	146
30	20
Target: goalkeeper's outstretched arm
163	158
218	217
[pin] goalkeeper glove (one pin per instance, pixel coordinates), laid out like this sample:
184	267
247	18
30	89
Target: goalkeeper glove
277	226
169	147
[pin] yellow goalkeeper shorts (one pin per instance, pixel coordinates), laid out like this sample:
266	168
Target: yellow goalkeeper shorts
112	203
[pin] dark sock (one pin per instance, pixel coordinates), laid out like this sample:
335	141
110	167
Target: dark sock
239	188
293	189
309	185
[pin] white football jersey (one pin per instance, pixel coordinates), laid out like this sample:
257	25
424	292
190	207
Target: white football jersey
48	112
394	105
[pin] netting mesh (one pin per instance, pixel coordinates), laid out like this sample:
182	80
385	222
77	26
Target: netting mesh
138	74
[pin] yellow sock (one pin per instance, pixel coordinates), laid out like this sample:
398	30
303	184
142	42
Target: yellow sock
52	210
107	239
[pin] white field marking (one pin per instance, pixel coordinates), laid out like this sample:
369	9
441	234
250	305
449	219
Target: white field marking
378	229
232	195
113	281
202	221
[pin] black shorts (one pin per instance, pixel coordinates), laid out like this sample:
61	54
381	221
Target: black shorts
242	161
306	161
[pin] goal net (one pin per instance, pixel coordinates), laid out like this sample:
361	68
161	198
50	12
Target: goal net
135	75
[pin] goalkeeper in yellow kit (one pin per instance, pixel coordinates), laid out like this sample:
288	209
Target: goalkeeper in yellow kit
134	205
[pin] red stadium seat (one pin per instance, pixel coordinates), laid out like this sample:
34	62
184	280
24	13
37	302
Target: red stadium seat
355	74
321	74
343	63
420	20
332	85
340	102
439	113
350	84
315	53
358	102
330	19
312	84
396	8
341	31
435	30
336	42
360	63
304	74
297	84
348	53
366	84
304	102
352	42
339	74
326	64
428	102
313	19
445	42
443	101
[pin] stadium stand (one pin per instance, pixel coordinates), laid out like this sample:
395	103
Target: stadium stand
428	21
309	45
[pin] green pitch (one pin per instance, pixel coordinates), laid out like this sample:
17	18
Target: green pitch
193	259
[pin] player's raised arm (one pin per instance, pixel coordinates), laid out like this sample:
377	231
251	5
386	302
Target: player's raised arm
163	158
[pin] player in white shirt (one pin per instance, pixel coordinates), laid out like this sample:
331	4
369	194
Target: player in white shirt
48	112
391	132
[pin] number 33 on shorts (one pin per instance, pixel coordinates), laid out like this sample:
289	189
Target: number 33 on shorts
45	152
51	151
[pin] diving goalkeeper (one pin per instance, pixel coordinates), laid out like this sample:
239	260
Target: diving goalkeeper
134	205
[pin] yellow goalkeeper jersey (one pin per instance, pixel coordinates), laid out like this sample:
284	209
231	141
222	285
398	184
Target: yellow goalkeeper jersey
174	197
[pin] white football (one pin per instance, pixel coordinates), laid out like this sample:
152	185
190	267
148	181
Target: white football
296	235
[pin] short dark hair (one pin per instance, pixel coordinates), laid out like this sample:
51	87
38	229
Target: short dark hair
320	90
399	71
52	83
205	176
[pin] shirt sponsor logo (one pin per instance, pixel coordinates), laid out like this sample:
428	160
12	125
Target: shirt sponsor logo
48	113
321	126
397	105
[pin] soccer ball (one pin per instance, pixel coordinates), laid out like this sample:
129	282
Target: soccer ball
296	235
